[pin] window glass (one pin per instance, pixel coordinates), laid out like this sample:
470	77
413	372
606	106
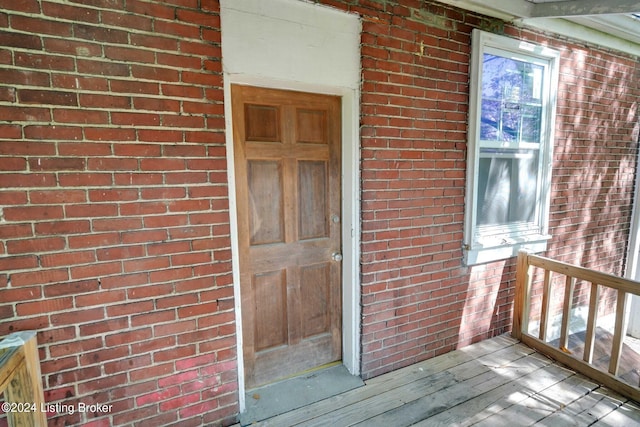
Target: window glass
507	186
511	100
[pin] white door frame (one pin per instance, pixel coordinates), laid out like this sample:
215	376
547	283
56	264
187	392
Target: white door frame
325	60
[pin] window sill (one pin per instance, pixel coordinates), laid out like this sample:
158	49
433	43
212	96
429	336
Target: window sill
484	254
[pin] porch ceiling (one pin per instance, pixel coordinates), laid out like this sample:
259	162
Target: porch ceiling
611	23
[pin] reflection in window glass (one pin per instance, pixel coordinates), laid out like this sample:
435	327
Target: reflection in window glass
507	186
511	100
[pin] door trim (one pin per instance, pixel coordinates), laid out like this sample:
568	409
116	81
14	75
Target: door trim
350	152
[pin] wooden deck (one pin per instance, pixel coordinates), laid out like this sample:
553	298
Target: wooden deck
497	382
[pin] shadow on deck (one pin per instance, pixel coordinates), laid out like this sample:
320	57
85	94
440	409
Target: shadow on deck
497	382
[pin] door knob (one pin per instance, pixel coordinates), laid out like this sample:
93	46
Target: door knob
336	256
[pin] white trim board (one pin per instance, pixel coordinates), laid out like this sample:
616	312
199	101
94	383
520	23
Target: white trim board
295	45
608	30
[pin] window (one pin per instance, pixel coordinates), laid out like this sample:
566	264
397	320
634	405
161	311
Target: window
510	140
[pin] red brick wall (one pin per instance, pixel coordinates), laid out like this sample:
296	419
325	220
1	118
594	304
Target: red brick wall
419	300
114	229
114	234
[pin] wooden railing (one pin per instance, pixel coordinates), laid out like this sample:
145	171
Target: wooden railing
20	380
583	364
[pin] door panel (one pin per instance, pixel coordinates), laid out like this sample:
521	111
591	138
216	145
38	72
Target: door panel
312	201
315	295
265	213
271	289
287	164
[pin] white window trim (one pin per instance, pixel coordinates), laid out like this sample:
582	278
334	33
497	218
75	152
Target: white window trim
509	241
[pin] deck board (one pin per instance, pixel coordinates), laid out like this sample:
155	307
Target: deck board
498	382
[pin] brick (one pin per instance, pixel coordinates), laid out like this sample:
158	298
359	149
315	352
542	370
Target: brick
135	87
15	180
53	132
129	308
129	54
120	252
146	264
96	270
104	101
128	337
147	236
107	195
174	328
102	68
77	48
48	62
80	116
46	306
191	259
102	327
188	178
21	294
153	344
99	33
62	227
104	383
169	275
18	262
160	136
202	49
70	288
179	402
158	396
185	91
161	42
178	29
31	323
93	240
13	164
57	365
45	244
155	371
177	301
157	11
123	20
135	119
151	318
15	231
104	297
91	210
154	73
20	40
30	96
165	193
7	94
116	224
57	196
142	208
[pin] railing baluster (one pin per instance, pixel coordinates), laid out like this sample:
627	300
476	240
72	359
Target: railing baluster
546	298
618	334
566	313
522	297
589	340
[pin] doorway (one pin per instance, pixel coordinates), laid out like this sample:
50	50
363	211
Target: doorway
287	149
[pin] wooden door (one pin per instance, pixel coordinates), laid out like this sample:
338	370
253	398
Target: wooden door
287	167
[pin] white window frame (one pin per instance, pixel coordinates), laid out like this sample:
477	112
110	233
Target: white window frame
490	243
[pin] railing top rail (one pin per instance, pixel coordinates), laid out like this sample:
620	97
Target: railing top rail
604	279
